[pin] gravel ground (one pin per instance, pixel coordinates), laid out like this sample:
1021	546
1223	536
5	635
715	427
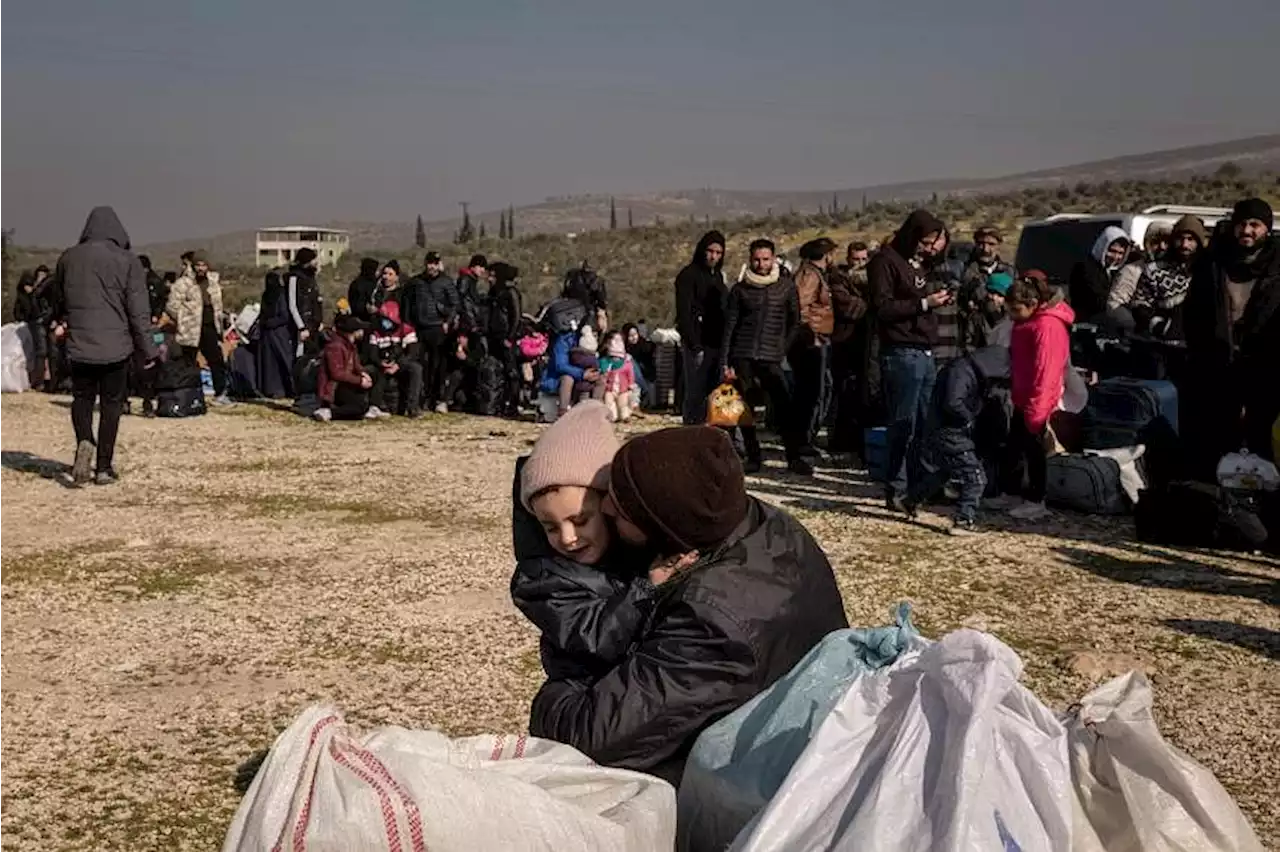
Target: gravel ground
158	632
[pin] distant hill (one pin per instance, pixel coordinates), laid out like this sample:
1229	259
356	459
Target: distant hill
580	213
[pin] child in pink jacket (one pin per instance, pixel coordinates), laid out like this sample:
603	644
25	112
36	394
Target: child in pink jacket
1038	354
619	376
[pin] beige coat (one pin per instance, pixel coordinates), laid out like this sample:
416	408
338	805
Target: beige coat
186	308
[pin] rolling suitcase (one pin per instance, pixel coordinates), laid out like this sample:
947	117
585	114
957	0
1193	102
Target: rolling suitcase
1120	409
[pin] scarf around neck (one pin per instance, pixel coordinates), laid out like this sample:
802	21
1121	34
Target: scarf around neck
760	280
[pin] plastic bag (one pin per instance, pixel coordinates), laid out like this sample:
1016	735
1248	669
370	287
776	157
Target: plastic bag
946	752
325	788
738	764
727	408
1244	471
17	350
1136	792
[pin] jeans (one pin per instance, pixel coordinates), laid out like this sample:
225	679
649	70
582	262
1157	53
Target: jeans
951	457
908	376
701	375
90	383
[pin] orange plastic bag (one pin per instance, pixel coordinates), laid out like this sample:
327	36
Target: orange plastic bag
727	408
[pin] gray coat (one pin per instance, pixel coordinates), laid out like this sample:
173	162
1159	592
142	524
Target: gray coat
100	290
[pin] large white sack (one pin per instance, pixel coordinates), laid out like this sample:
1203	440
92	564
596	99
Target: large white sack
324	788
946	753
17	350
1138	793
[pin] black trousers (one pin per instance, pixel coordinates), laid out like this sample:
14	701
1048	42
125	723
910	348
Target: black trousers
407	382
435	361
845	433
105	383
769	378
210	347
1028	446
350	402
499	349
807	372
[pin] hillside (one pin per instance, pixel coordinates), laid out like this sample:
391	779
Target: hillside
580	213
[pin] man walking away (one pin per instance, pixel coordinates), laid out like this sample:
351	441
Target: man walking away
436	309
195	306
761	317
362	292
898	277
700	302
505	309
808	355
471	279
99	296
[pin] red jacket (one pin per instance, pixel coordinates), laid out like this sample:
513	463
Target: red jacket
339	364
1038	356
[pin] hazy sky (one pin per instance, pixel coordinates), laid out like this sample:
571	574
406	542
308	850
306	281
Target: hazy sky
196	118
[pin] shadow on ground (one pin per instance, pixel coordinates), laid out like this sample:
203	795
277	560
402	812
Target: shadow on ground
1163	570
1261	640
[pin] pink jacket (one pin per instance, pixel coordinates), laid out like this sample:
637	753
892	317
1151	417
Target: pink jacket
1038	356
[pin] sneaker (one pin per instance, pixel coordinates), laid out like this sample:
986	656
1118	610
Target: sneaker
222	401
1029	511
375	413
962	527
752	466
800	467
442	408
895	502
106	477
324	415
911	510
82	470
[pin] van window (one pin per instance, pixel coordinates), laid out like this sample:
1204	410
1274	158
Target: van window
1055	247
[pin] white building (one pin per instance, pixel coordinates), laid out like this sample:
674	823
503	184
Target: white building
277	246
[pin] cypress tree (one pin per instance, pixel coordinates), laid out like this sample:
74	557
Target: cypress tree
420	234
613	214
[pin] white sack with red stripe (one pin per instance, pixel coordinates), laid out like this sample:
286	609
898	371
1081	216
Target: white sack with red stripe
326	788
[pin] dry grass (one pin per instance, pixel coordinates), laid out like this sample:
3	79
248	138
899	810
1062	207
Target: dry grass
159	632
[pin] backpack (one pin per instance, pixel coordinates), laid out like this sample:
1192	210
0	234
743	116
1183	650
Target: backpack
564	315
583	285
490	385
1088	484
1195	514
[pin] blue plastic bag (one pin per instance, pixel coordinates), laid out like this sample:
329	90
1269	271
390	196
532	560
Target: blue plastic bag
738	763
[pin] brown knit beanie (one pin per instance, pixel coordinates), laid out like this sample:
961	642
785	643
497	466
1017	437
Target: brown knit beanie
1191	225
682	487
575	450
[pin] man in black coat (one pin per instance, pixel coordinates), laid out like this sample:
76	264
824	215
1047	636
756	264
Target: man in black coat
505	310
700	300
757	595
435	311
99	298
362	291
302	295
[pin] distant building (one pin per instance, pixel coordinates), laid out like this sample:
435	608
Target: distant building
277	246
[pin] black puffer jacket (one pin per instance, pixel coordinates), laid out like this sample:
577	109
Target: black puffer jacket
100	289
505	308
435	302
700	297
964	389
719	634
589	615
760	321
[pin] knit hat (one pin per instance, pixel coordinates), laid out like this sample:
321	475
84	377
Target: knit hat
575	450
346	324
988	231
682	487
304	256
999	282
392	264
503	272
431	257
478	261
587	339
1191	225
1252	208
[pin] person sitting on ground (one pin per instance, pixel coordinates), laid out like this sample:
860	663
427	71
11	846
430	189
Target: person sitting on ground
1039	357
562	379
195	306
1090	282
585	591
748	595
644	355
619	376
343	384
959	397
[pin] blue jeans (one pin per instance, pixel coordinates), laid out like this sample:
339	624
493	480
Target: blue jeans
951	456
908	376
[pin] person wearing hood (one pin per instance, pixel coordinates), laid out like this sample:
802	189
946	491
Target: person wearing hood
276	346
762	317
31	306
99	301
362	291
962	391
700	304
195	306
1231	318
752	594
506	307
905	309
1156	303
1090	281
470	280
1039	357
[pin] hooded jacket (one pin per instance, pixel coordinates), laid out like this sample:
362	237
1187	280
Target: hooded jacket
898	285
700	297
469	299
1039	353
505	304
186	306
718	634
361	292
761	319
1089	284
100	288
964	390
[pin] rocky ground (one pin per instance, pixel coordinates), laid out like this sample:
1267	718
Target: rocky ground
158	632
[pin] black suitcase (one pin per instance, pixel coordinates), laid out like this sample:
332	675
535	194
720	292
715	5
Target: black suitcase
183	402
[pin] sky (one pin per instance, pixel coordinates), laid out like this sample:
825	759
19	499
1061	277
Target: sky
196	118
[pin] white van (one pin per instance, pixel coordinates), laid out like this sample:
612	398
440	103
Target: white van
1056	244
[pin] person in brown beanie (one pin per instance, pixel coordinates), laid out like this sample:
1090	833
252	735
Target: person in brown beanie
587	594
753	595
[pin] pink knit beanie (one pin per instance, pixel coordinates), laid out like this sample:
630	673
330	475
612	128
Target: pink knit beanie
575	450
